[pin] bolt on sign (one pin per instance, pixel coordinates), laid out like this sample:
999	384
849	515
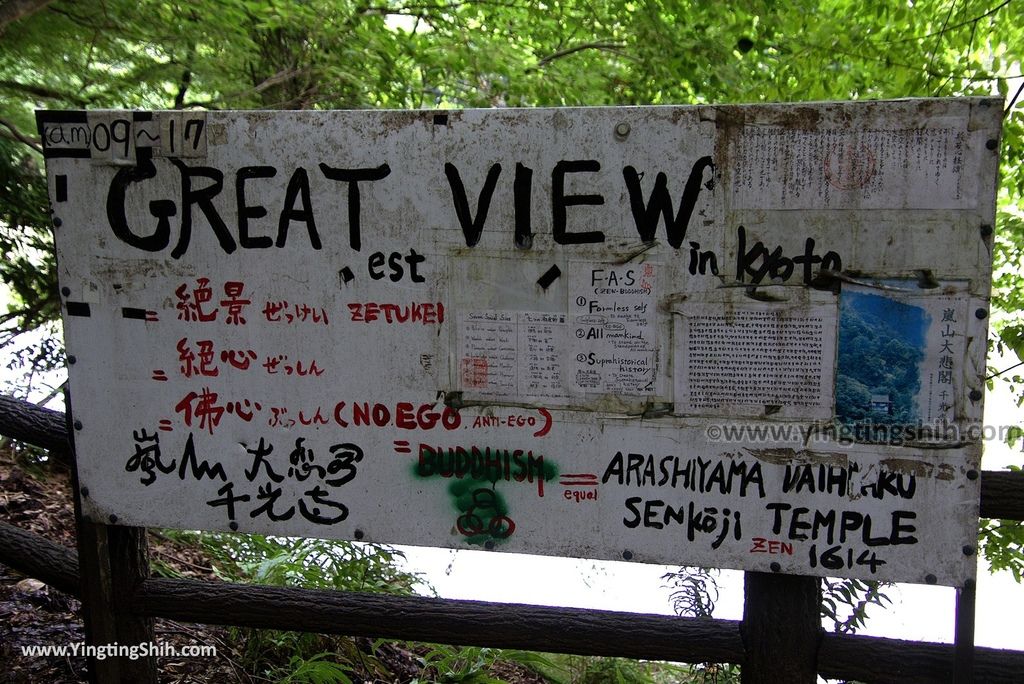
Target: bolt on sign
733	336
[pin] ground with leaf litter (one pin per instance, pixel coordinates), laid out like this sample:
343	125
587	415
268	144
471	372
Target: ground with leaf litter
38	498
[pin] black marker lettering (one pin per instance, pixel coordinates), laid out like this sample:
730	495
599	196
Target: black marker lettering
472	226
353	177
660	203
559	201
254	211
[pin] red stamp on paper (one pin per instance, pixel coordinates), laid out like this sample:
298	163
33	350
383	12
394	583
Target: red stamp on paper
474	372
849	167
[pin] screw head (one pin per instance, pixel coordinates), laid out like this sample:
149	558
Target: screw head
775	567
233	525
358	534
980	314
72	359
986	230
968	550
489	545
627	555
975	395
57	223
622	129
972	474
991	144
930	578
85	491
65	291
113	518
78	425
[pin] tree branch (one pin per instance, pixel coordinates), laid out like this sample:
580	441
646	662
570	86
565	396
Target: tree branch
973	20
416	10
609	46
43	92
1009	107
21	137
1006	370
13	10
186	81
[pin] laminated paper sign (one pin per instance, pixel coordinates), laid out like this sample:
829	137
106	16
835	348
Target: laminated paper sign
727	336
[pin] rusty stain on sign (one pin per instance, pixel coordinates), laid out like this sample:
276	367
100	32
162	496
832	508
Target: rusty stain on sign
729	336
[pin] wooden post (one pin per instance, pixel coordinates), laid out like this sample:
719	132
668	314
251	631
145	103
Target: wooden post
781	628
113	562
963	638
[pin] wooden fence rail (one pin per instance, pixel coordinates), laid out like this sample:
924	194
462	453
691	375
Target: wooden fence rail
568	630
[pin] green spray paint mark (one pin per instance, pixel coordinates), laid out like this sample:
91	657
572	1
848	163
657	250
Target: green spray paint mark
482	512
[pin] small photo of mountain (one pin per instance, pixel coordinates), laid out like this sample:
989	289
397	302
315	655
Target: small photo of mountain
882	343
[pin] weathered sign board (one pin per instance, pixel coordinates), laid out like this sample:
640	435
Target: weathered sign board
733	336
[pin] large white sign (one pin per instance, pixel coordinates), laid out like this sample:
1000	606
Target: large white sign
741	336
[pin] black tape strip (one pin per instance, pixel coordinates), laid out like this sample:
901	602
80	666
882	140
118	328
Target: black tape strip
137	314
549	277
79	309
65	153
44	116
60	187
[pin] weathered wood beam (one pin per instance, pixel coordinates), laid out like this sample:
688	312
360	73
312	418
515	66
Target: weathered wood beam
873	659
35	425
36	556
1002	495
587	632
468	623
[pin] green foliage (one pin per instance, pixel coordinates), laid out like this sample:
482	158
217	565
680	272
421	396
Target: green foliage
454	664
844	603
694	591
28	267
315	670
309	563
570	669
1002	543
717	673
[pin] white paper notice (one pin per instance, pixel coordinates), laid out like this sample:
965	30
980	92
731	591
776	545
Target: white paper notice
487	353
747	359
782	168
614	326
513	355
